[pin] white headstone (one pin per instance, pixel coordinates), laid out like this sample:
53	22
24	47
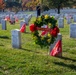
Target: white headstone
61	22
3	22
74	18
12	19
27	20
22	23
73	30
16	38
56	16
69	20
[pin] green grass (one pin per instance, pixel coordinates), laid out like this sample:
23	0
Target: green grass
31	59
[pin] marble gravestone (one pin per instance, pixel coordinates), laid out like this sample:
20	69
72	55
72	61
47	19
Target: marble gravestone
61	22
12	19
56	16
74	18
22	23
73	30
26	20
69	20
3	23
16	38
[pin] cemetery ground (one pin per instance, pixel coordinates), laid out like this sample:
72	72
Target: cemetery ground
31	59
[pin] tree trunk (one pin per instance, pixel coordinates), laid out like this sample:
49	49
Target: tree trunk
22	8
59	9
3	10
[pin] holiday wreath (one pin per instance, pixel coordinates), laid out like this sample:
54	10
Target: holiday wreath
49	34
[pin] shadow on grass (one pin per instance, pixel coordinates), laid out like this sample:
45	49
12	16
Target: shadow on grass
30	50
4	37
65	58
27	33
71	66
1	45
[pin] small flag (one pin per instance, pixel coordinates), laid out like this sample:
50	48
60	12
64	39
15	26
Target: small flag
7	18
23	28
57	50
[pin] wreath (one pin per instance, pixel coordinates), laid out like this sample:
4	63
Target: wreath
44	30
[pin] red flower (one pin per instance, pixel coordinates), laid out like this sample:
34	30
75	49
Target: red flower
54	31
33	28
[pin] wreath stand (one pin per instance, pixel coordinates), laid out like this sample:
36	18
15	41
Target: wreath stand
50	32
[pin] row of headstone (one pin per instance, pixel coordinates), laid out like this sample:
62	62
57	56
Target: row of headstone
63	11
16	38
3	21
16	41
20	15
26	17
72	30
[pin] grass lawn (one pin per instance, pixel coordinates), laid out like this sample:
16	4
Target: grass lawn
31	59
